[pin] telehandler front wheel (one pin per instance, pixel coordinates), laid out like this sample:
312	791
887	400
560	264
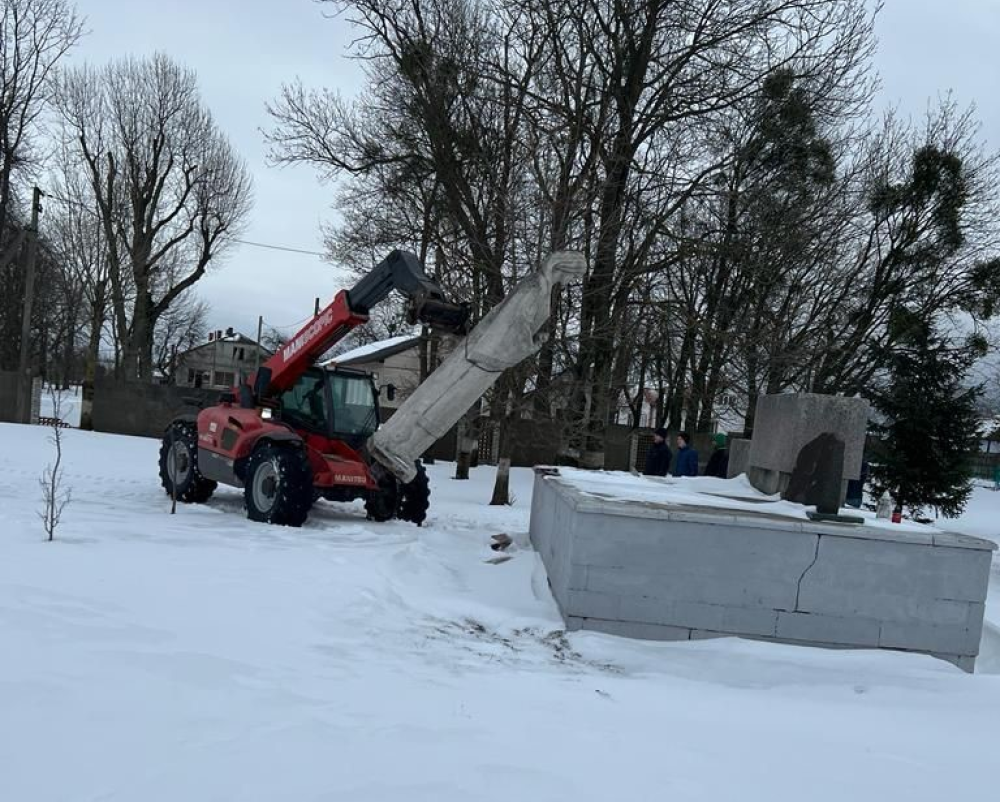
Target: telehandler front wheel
279	485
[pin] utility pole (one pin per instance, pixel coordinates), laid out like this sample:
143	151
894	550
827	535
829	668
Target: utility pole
260	333
23	368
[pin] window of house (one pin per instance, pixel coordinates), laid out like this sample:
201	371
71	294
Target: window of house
191	375
224	378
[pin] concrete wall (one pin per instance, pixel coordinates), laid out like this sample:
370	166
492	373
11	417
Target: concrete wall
8	398
139	409
669	573
401	370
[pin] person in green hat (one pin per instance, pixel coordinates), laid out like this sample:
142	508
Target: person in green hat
718	463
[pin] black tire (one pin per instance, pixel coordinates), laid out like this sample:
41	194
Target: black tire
381	505
415	497
179	464
279	485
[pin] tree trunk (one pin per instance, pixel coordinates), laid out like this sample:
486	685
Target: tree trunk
501	487
468	442
751	413
91	358
542	404
67	357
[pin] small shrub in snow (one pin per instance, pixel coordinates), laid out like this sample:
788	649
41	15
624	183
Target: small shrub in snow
55	497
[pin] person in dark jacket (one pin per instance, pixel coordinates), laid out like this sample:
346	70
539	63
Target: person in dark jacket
658	456
718	463
687	458
856	487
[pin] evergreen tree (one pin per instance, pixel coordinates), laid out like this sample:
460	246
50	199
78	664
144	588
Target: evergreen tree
930	429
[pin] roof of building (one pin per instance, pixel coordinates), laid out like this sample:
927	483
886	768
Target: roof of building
374	352
236	338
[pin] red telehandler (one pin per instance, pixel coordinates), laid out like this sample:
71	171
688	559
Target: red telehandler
293	432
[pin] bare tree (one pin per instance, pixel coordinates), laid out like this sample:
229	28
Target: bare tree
34	36
55	496
78	235
178	329
169	191
440	136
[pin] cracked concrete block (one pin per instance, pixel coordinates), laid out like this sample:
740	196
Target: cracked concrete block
828	629
695	615
698	584
577	577
676	573
587	604
632	629
900	581
964	661
749	621
701	634
929	638
885	606
975	620
651	546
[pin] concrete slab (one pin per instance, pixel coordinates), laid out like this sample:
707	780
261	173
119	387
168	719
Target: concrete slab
669	571
631	629
815	627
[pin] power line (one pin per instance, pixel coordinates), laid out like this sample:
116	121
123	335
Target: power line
278	247
296	325
285	248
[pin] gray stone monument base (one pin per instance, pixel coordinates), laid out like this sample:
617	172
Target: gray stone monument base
678	572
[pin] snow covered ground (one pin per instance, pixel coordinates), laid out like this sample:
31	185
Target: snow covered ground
152	657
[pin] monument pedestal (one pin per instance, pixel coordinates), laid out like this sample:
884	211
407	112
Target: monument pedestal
648	566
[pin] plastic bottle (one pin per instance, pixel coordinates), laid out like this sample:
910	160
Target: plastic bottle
885	505
897	515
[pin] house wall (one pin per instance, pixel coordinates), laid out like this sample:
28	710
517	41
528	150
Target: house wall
220	362
401	370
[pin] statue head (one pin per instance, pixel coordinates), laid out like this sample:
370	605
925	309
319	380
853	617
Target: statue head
561	267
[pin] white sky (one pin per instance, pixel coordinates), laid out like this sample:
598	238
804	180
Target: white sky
243	50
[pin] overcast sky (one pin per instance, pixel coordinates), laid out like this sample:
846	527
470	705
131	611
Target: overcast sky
243	50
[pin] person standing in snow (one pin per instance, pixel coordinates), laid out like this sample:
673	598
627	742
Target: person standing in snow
687	458
718	463
658	456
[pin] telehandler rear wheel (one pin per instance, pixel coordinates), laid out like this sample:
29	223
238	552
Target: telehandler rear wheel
415	497
179	464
